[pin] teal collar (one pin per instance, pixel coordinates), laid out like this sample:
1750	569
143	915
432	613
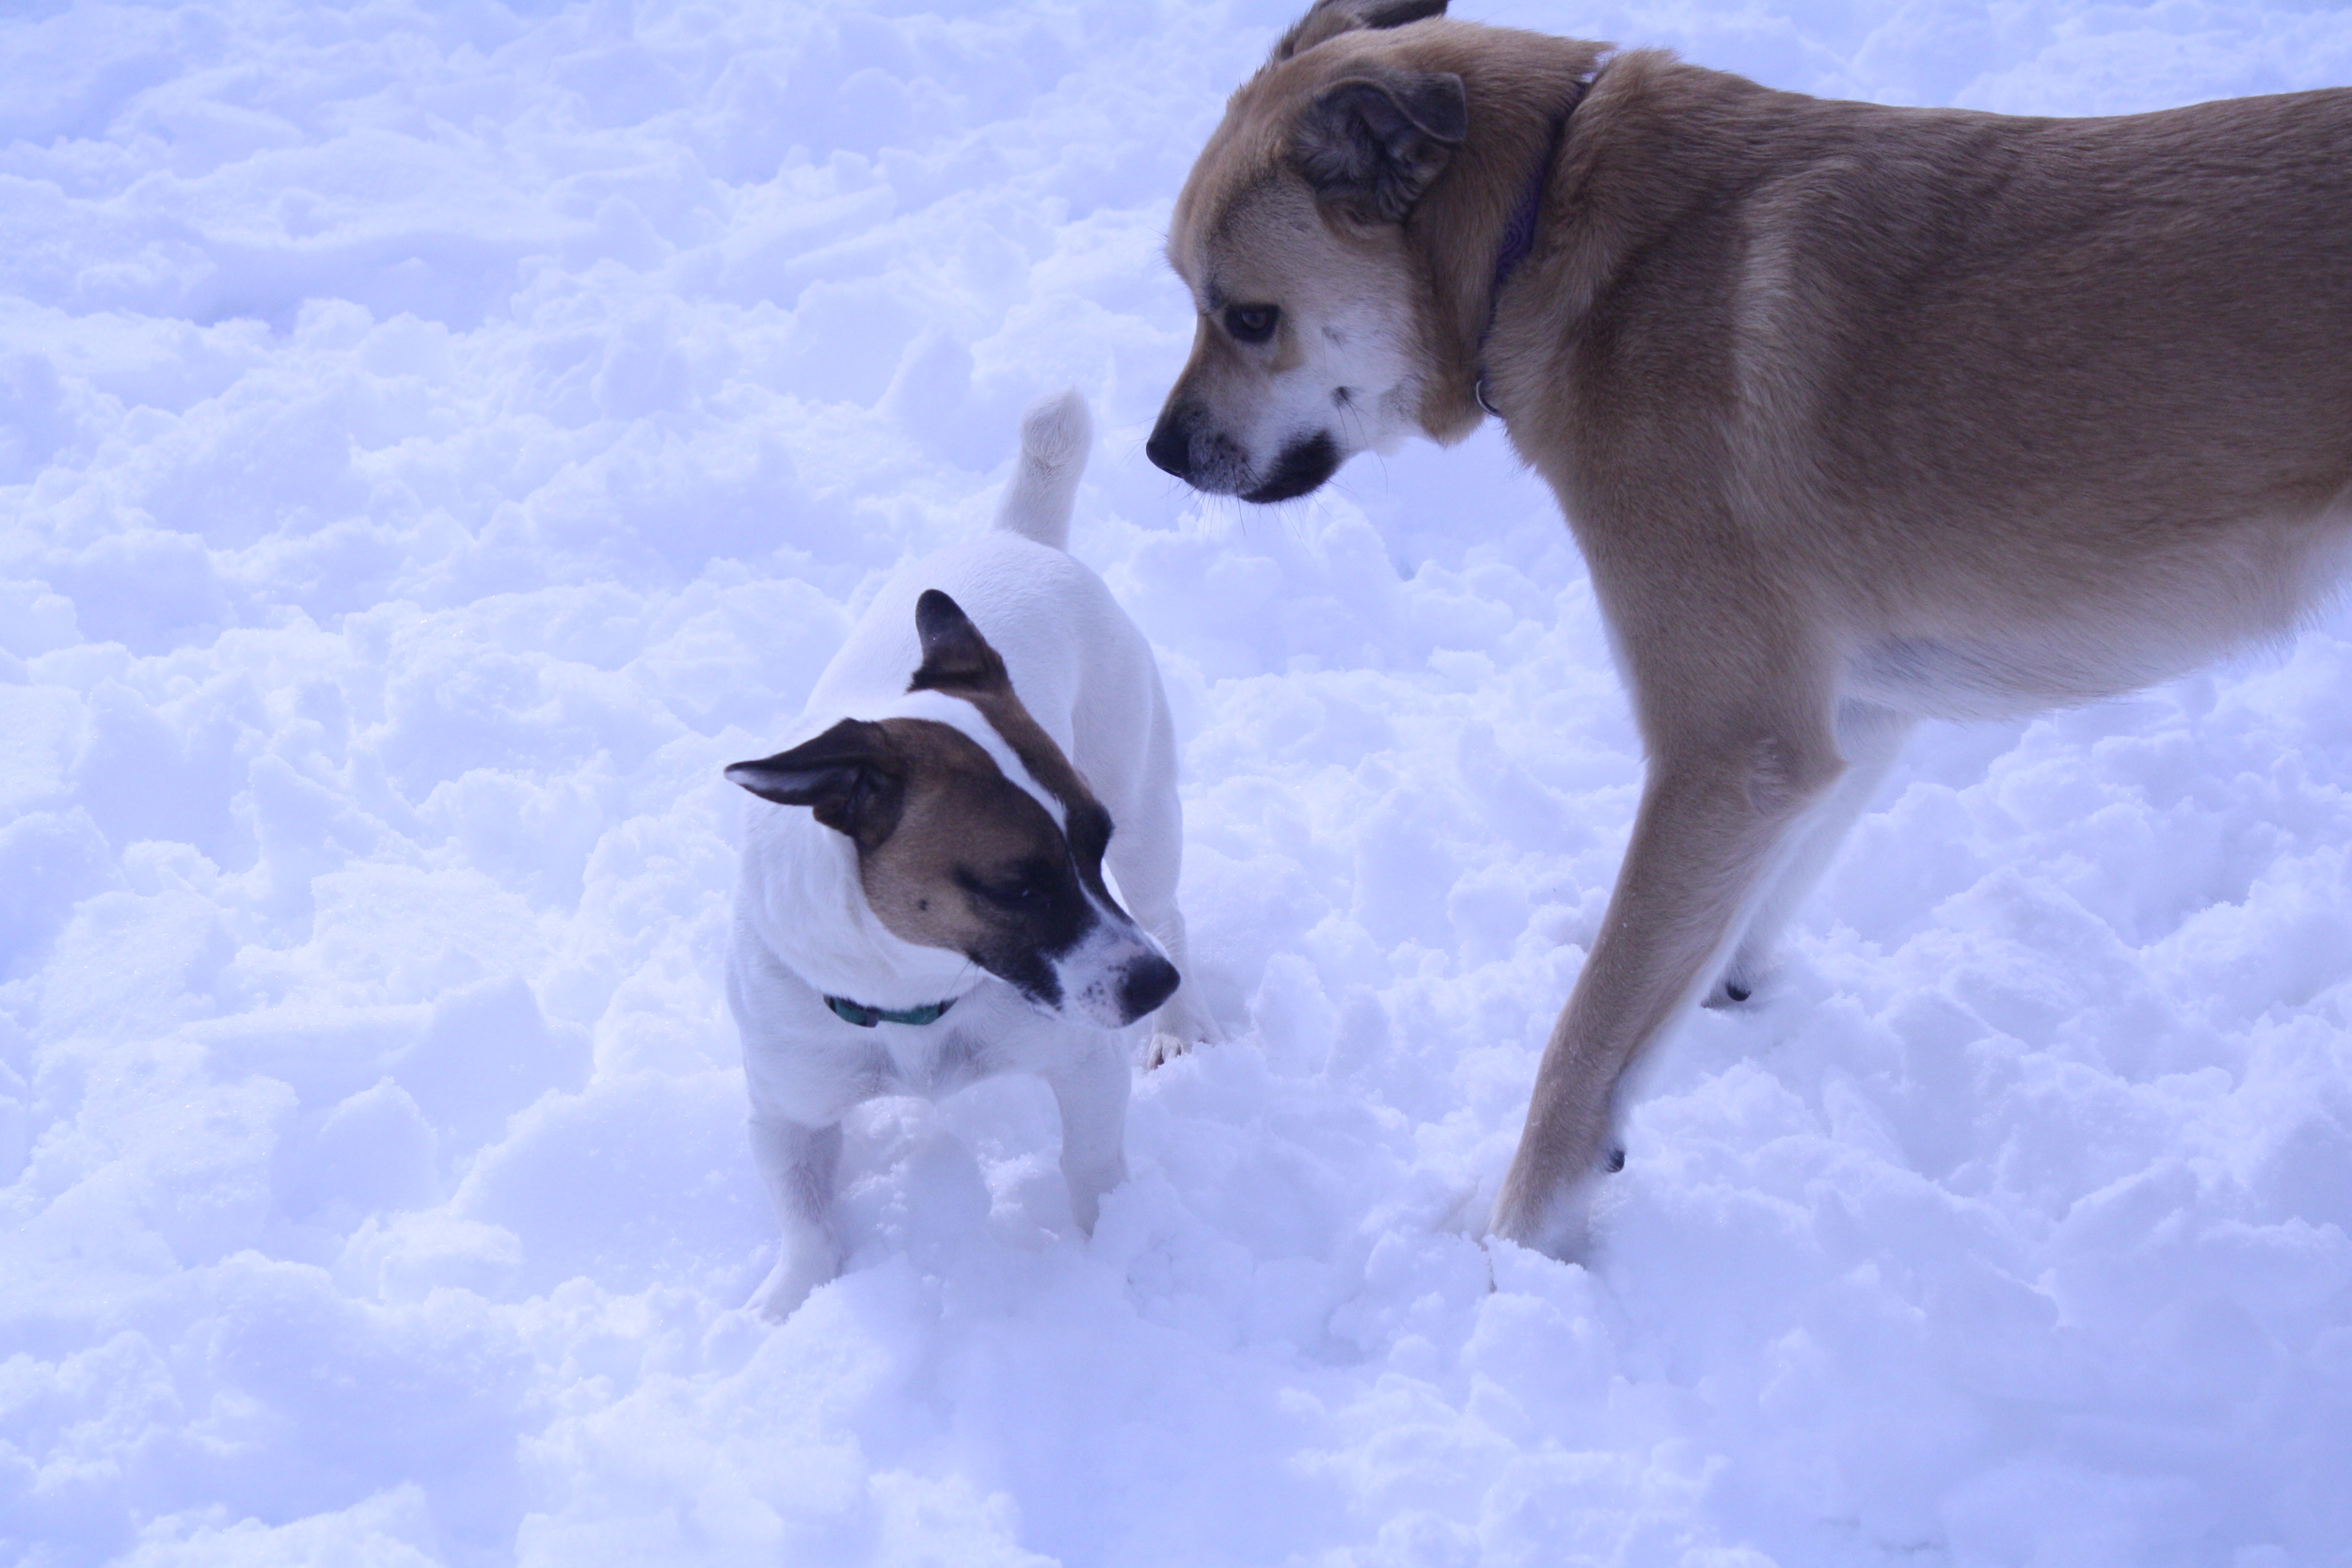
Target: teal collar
866	1017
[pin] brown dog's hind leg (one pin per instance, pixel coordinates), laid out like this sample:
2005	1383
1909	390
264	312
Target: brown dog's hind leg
1713	818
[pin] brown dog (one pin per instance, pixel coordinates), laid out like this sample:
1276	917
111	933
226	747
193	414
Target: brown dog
1860	415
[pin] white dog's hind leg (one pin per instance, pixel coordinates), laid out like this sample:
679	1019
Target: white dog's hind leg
1090	1087
798	1164
1869	737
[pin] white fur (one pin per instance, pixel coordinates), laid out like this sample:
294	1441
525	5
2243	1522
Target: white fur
803	929
1056	436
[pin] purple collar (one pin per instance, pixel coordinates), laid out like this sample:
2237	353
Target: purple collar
1520	238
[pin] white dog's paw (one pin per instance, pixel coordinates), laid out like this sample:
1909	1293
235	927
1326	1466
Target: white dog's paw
1165	1048
789	1284
1086	1206
1180	1028
1087	1182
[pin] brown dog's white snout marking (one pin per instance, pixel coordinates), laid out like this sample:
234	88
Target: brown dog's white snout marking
1861	414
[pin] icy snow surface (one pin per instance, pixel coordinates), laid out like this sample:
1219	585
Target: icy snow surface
434	439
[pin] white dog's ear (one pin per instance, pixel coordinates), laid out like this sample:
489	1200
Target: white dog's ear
1330	18
955	656
1369	144
851	776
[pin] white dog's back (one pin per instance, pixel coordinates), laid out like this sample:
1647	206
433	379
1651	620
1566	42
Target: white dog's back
1083	669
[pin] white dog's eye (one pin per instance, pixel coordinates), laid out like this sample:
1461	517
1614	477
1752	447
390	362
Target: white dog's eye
1019	891
1252	324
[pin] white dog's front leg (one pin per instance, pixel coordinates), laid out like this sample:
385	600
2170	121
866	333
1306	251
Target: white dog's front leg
798	1164
1183	1021
1092	1089
1146	857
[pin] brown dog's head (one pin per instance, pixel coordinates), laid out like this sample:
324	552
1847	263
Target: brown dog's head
957	852
1291	234
1342	235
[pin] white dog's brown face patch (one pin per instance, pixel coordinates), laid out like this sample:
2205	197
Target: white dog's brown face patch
953	853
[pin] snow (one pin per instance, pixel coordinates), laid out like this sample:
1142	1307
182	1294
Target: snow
434	440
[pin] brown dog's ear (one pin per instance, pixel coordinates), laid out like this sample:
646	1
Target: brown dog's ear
954	652
1330	18
1369	144
852	775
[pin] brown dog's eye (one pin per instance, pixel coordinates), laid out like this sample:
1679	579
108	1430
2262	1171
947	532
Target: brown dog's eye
1252	324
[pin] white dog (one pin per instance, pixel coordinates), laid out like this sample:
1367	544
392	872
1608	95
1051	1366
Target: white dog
923	902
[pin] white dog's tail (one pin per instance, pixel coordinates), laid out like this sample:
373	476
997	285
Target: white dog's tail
1056	436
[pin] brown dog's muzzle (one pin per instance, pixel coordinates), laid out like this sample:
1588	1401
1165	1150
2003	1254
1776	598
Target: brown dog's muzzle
1171	446
1214	462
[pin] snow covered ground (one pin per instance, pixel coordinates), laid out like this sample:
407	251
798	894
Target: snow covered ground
435	438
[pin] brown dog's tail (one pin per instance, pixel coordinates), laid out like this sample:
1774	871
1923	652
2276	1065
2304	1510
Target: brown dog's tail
1056	436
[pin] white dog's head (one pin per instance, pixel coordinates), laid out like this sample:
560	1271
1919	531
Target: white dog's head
974	835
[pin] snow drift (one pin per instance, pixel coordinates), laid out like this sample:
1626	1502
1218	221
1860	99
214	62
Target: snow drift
434	438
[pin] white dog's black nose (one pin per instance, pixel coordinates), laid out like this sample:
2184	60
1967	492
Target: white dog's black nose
1148	983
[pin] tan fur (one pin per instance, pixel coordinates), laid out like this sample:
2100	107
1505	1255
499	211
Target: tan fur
1088	825
1860	415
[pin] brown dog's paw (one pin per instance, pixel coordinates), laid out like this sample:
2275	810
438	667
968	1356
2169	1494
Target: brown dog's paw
1557	1223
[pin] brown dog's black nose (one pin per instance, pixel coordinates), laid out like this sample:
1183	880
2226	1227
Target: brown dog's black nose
1171	446
1146	986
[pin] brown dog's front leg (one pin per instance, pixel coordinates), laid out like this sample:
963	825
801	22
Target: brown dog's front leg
1709	824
